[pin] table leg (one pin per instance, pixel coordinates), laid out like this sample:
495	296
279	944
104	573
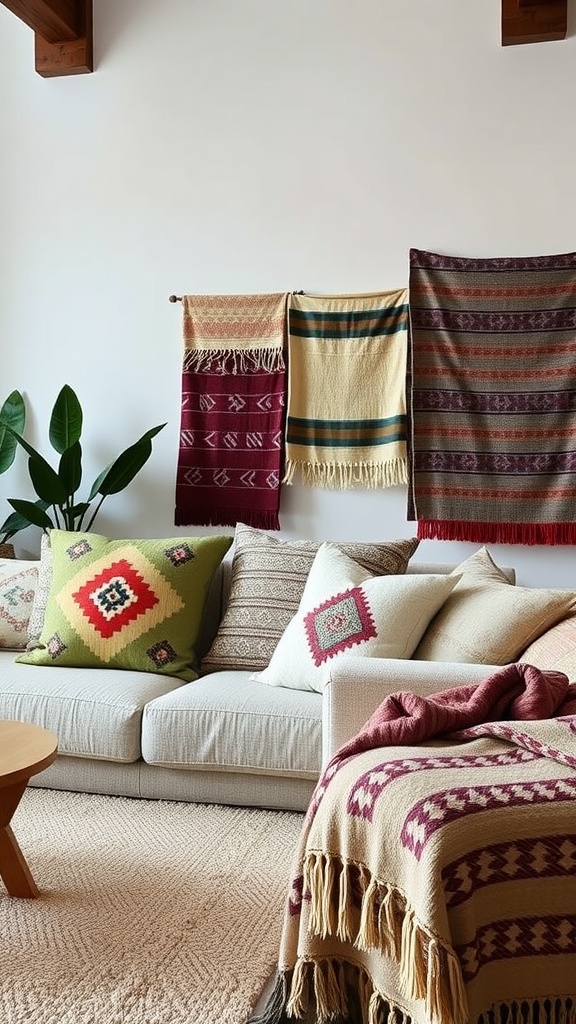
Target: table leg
14	870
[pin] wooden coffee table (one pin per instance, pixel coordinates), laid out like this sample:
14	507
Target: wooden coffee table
24	751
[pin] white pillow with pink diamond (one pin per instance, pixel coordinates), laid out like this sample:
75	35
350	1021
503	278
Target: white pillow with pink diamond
345	611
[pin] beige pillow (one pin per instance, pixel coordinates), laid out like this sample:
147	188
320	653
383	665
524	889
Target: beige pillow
555	649
18	582
268	576
489	621
346	611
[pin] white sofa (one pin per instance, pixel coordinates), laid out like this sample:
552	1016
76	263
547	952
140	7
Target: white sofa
223	738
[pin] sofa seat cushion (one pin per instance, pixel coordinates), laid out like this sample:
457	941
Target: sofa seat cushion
93	712
227	722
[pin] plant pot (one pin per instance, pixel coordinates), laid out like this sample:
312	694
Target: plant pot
7	551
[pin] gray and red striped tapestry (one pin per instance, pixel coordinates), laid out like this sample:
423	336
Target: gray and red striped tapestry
491	394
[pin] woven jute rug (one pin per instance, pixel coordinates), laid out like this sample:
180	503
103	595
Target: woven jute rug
151	912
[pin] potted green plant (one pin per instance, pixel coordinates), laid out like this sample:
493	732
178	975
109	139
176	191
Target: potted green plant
57	504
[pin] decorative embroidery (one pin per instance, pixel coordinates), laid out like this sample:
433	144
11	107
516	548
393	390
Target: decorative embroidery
114	598
341	622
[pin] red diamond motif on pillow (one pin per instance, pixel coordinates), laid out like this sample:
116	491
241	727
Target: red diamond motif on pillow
114	598
342	621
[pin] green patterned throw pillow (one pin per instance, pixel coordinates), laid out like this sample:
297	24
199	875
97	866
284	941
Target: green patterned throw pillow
130	604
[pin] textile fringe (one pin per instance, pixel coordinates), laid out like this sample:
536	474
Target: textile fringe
273	1012
259	519
497	533
234	360
428	969
332	985
344	477
547	1010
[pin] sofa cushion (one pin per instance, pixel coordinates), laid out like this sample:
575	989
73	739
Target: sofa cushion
346	612
18	583
227	722
267	580
555	649
131	604
94	713
489	620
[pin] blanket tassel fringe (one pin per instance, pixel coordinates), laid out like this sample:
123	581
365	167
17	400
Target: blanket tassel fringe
429	969
339	990
259	519
234	360
344	477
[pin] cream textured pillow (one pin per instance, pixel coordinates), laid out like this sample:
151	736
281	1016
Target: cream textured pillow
345	611
18	582
555	649
487	620
267	581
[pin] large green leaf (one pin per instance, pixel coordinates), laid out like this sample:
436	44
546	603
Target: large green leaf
70	468
66	420
32	513
16	522
123	470
12	418
45	481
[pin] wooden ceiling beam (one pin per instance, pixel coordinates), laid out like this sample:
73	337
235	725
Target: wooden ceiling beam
63	31
55	20
533	21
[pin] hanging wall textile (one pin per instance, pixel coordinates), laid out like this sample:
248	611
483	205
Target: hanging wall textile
346	423
492	398
232	413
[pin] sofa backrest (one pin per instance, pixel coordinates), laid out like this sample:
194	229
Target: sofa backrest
220	587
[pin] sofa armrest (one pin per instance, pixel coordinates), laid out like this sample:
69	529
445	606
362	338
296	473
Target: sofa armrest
356	686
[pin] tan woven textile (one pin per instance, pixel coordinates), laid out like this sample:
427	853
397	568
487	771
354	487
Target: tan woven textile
346	424
437	882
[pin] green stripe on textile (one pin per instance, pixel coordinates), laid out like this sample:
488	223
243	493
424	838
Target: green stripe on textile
377	323
345	433
369	424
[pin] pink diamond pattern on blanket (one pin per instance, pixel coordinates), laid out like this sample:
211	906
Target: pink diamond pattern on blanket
521	937
438	809
545	857
341	622
370	785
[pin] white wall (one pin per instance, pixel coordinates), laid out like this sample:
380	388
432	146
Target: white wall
260	145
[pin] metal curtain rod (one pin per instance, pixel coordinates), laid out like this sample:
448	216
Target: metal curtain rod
178	298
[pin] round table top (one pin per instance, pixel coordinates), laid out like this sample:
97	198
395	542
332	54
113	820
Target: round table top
25	749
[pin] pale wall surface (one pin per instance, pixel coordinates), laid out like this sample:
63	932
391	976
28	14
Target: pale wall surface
258	145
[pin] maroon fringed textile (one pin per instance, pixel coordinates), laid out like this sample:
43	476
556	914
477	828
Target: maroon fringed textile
233	407
491	395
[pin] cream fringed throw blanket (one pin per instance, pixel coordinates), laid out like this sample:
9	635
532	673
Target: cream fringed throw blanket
346	424
436	877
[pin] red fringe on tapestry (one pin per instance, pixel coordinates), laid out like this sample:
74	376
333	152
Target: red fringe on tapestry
498	533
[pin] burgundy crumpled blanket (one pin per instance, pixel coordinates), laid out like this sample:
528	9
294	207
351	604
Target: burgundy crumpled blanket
517	692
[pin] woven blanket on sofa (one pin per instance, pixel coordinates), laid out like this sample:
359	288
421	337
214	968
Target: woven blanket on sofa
492	398
434	883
